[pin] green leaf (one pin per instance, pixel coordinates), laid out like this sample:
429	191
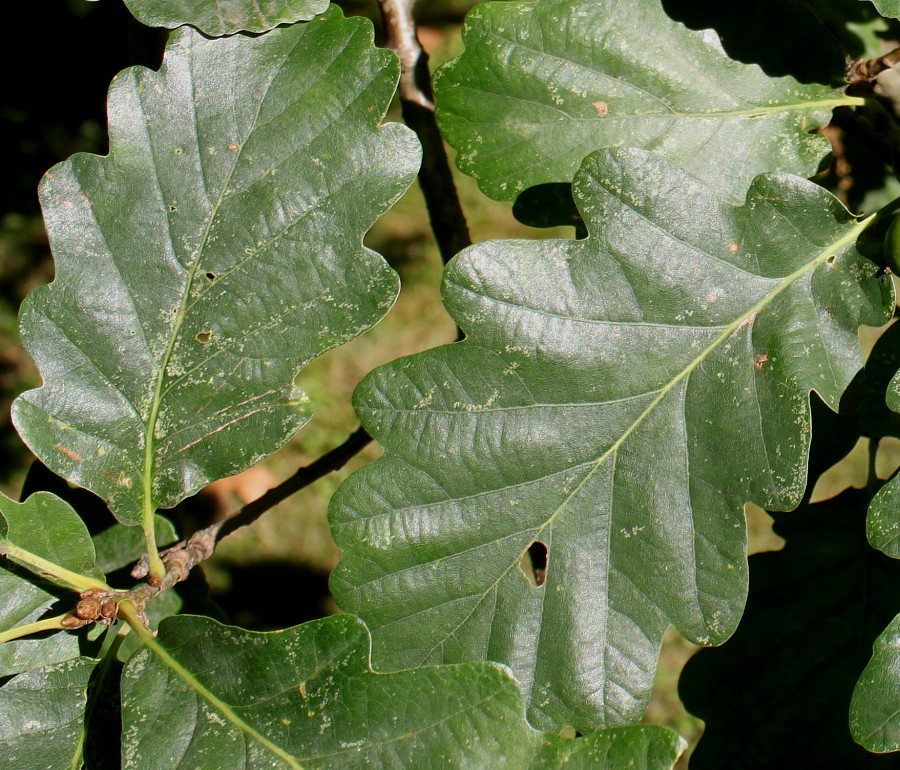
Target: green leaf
883	524
876	419
224	17
46	527
540	85
214	252
21	602
875	708
889	8
42	710
119	546
813	611
549	205
638	747
207	695
617	399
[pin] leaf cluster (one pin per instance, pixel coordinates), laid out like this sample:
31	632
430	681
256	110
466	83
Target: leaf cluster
561	484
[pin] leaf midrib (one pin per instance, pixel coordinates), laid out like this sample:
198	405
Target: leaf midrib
754	112
726	334
590	68
223	708
148	508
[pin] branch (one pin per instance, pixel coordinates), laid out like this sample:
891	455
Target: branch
866	70
181	558
417	104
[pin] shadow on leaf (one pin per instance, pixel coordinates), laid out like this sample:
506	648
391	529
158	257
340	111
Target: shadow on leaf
777	694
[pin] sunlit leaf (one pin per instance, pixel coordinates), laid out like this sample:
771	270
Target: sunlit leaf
48	528
42	713
890	8
224	17
618	400
884	511
207	695
875	708
214	252
542	84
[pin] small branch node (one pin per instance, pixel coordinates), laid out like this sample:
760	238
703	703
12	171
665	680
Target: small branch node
866	70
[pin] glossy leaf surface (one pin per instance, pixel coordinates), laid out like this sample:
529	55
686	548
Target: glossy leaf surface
212	695
47	527
875	709
890	8
210	256
540	85
224	17
884	511
42	711
618	400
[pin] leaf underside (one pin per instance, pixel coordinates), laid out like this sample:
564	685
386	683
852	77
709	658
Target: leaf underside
224	17
540	85
618	400
209	695
214	252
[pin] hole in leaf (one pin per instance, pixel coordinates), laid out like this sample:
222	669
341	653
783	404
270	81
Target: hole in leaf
211	276
830	260
172	208
533	564
203	337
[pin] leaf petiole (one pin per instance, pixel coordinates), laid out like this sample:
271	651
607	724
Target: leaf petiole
41	566
155	565
129	613
47	624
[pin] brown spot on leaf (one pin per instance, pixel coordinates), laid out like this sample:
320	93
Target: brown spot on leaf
760	361
232	146
69	453
734	248
602	108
